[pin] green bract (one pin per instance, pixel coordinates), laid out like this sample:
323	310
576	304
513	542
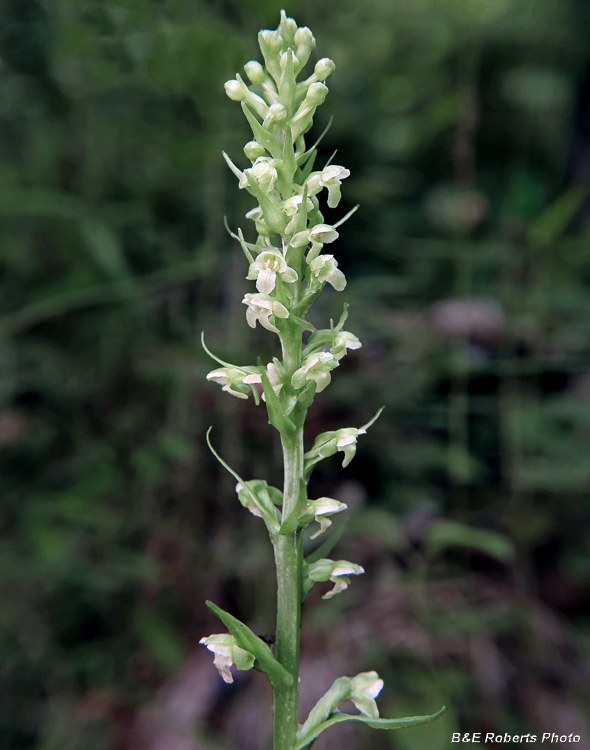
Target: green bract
287	264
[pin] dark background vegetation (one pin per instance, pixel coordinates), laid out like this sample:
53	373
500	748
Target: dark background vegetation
466	125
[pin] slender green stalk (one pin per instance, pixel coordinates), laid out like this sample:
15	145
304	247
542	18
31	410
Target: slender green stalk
288	550
290	270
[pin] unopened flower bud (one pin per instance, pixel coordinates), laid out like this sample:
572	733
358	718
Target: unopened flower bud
236	90
270	41
324	68
304	42
255	71
303	36
287	28
253	150
276	114
316	94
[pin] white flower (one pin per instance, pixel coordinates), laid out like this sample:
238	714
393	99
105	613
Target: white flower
273	374
264	172
365	688
260	308
340	577
329	443
265	269
334	339
234	380
325	269
292	206
321	509
344	340
315	367
331	178
337	572
227	653
323	233
344	440
318	236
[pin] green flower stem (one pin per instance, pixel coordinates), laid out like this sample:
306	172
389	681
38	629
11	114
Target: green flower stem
288	559
289	565
289	278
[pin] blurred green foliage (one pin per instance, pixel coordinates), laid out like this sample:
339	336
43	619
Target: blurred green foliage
465	125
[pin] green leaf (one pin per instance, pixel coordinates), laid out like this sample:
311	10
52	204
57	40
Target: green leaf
219	361
552	223
444	534
262	135
302	322
247	640
410	721
276	414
